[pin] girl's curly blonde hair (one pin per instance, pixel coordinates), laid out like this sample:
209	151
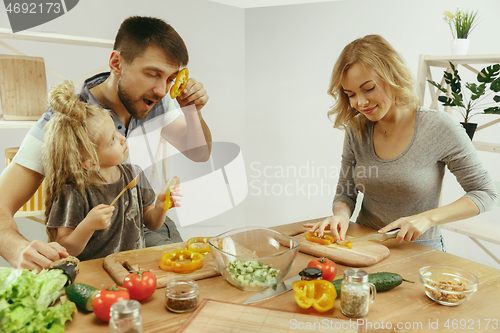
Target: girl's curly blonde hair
376	54
71	137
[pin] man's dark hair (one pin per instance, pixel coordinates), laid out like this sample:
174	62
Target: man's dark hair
136	33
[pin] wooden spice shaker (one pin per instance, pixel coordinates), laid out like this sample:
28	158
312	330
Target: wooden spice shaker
355	293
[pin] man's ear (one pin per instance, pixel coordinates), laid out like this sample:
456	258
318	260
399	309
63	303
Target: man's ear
90	165
116	63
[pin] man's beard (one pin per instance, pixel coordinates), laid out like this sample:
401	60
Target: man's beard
127	101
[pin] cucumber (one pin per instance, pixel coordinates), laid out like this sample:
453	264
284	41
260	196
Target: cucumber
82	295
383	281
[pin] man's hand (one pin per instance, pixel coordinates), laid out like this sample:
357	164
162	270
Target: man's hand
39	255
193	93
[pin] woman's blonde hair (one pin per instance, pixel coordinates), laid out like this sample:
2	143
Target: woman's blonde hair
71	136
375	53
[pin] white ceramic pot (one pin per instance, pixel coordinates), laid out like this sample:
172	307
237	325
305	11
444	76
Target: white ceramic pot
459	46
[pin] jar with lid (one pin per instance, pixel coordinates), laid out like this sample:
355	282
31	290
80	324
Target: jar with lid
356	293
311	273
182	295
125	317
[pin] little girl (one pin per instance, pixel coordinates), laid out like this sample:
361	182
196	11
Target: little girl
82	156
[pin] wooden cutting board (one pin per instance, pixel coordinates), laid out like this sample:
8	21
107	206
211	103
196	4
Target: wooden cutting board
149	258
213	316
362	254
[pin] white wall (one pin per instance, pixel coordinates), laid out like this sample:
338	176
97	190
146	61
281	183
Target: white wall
267	71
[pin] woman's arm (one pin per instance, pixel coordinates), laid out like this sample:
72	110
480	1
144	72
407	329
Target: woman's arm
75	239
414	226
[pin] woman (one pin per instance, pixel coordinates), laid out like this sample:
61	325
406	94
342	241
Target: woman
395	152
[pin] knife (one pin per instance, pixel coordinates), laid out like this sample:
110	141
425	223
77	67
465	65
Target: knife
377	237
276	290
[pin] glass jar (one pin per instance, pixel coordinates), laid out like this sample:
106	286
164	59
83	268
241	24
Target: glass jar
182	295
125	317
311	273
356	293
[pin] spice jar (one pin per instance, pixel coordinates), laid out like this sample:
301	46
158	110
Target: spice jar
355	293
182	295
125	317
311	273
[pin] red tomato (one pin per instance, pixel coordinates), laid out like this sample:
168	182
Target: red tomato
141	284
328	268
105	298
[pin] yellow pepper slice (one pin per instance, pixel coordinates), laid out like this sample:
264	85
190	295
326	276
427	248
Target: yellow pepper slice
313	237
320	294
348	244
168	200
193	244
181	261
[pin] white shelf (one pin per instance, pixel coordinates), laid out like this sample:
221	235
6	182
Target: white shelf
56	38
15	124
487	146
424	73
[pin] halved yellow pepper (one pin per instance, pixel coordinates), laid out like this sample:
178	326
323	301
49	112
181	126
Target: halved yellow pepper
193	244
181	261
320	294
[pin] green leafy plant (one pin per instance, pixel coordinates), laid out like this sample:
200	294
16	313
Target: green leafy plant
461	23
488	84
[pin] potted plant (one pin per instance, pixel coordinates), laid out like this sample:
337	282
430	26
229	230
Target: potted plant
488	81
461	24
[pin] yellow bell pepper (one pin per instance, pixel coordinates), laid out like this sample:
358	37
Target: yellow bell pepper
181	261
348	244
313	237
168	200
193	244
320	294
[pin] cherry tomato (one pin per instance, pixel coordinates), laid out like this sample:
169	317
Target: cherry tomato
328	268
105	298
141	284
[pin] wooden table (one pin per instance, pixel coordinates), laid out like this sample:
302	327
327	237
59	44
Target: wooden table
403	309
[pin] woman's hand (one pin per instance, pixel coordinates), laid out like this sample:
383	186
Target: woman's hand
411	227
338	226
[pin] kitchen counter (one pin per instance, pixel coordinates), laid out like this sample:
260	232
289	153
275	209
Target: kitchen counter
403	309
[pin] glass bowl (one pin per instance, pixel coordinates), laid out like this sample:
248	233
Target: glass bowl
447	285
253	258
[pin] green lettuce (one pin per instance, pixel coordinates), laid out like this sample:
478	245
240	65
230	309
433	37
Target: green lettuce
26	298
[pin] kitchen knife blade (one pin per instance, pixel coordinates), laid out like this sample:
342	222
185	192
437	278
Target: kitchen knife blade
377	237
281	288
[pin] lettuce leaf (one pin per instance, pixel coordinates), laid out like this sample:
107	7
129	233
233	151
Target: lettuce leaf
26	298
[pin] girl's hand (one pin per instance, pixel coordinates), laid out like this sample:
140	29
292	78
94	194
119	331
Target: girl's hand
176	195
99	217
338	226
411	227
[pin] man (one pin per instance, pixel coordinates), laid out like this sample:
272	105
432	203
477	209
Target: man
146	58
